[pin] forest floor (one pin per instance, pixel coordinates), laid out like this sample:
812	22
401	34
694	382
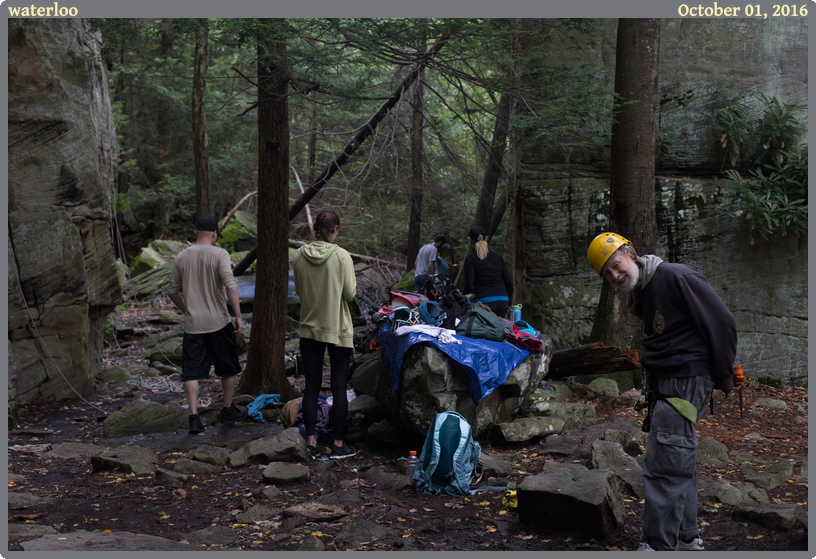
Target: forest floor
79	499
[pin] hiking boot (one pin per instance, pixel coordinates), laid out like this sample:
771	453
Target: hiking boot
694	545
313	451
196	426
338	452
232	414
645	547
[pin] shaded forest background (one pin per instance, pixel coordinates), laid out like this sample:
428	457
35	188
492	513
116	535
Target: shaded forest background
441	160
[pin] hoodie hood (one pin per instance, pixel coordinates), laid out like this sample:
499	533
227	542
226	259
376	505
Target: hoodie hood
648	265
318	252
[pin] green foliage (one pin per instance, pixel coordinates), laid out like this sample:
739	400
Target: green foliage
770	381
773	196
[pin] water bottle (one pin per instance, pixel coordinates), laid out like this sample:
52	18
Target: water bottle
515	311
410	466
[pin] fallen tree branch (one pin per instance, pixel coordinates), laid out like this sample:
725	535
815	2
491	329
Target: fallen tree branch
231	213
348	150
308	211
591	359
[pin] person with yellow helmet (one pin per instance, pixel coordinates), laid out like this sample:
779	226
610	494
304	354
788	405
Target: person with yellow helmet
689	344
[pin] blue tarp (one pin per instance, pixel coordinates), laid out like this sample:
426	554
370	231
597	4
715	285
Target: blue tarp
488	364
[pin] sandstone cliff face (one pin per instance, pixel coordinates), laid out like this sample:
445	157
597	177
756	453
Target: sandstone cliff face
566	205
61	154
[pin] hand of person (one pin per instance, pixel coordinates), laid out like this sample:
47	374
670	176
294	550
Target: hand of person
726	384
239	325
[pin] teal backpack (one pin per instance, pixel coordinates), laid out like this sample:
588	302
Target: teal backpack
449	460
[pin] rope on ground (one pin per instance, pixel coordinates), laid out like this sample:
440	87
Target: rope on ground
159	385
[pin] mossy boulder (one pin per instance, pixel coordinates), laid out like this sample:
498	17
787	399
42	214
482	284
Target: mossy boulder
168	249
241	233
148	259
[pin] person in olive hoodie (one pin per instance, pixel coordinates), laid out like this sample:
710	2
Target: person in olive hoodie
324	281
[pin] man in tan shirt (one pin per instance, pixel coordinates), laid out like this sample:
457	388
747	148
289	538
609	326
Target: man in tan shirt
200	274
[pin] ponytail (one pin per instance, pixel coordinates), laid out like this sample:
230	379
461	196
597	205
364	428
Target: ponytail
325	224
481	248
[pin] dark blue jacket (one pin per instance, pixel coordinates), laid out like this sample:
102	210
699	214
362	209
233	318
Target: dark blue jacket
686	326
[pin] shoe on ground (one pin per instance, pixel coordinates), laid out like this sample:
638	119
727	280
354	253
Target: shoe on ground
645	547
694	545
196	426
314	453
344	451
232	414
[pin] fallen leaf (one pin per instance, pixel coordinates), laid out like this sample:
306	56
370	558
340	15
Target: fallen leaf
400	519
490	529
106	530
502	512
527	537
165	517
483	504
318	534
414	510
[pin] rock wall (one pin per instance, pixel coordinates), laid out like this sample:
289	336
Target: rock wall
562	206
61	153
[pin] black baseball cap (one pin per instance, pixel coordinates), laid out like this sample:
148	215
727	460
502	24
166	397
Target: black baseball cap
208	224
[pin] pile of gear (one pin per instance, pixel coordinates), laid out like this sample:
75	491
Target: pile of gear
451	313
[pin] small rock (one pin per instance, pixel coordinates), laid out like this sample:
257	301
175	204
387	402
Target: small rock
741	457
771	515
280	473
143	416
128	459
770	403
271	492
194	467
24	499
527	428
211	535
103	541
258	512
389	481
312	543
73	450
317	512
711	451
563	445
605	386
210	454
768	478
355	534
17	530
168	478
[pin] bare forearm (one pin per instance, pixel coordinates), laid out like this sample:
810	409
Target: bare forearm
179	302
234	302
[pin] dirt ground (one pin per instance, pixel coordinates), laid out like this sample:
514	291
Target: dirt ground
112	501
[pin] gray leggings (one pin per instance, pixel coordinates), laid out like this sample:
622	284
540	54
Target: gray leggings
670	468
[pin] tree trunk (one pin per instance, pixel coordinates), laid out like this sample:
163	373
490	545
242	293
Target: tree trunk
201	150
493	168
632	182
348	150
264	373
417	156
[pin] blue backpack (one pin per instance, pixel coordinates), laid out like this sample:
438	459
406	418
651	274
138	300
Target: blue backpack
450	457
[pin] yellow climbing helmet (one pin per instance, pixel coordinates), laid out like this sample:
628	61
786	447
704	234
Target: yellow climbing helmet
602	247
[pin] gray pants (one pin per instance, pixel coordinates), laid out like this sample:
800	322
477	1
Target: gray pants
670	467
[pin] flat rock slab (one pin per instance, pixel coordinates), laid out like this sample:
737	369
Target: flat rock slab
24	500
751	493
496	465
142	416
711	451
386	480
562	445
281	473
768	477
608	455
527	428
211	535
631	443
771	515
741	457
570	497
103	541
129	459
17	530
194	467
258	512
770	403
355	534
210	454
317	512
168	478
287	446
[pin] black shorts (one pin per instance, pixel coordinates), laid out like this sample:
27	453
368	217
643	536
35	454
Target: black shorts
199	351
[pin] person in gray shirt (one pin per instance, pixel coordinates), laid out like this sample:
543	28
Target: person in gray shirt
426	261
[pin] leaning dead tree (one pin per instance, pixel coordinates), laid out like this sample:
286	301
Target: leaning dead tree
351	147
591	359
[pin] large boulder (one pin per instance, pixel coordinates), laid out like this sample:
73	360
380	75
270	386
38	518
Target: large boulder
61	164
432	382
168	352
570	497
711	451
363	412
166	248
143	416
